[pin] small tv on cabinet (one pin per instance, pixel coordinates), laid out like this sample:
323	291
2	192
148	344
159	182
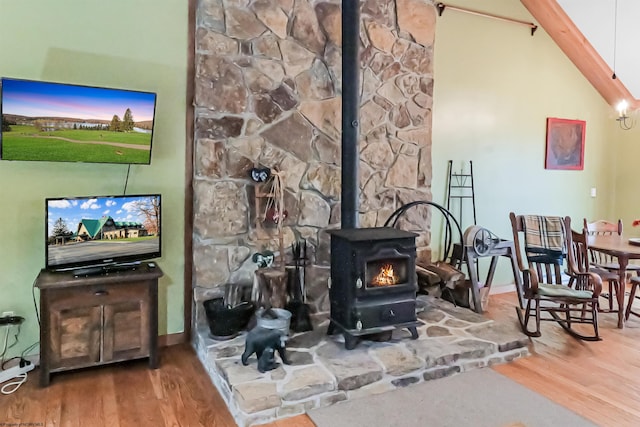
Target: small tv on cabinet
98	233
58	122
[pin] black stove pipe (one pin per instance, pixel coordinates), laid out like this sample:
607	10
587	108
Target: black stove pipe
350	104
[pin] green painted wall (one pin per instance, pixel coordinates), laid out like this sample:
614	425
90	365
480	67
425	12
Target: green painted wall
494	87
626	146
139	45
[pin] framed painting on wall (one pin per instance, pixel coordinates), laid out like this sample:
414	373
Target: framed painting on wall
565	144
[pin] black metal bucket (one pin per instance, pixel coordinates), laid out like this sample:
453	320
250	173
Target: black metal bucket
227	322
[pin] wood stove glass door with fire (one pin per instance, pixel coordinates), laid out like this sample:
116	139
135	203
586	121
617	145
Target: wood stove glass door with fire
391	271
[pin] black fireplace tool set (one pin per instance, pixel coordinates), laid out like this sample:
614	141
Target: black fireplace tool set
297	305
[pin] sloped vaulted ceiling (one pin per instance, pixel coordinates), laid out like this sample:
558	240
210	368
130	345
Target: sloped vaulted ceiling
575	45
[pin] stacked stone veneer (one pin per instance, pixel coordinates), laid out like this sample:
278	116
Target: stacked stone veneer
452	340
268	83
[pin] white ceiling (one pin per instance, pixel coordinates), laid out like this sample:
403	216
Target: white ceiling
596	20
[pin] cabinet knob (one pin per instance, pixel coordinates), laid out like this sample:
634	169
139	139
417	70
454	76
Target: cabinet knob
101	293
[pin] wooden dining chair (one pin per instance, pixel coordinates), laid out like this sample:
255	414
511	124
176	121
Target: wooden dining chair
606	228
544	291
635	283
606	266
583	264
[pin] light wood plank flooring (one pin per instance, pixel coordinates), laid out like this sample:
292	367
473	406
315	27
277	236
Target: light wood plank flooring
600	381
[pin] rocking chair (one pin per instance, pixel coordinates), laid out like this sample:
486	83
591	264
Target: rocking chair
574	300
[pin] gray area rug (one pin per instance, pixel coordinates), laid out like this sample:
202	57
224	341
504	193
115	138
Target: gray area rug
479	398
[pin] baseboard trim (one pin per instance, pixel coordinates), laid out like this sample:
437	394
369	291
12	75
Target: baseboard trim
503	289
171	339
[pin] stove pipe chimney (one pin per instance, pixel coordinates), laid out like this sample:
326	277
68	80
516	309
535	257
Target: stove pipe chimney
350	104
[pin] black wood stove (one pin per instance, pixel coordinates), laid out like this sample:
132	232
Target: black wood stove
373	282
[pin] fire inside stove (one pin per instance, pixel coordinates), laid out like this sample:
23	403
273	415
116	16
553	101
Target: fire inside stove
385	277
388	272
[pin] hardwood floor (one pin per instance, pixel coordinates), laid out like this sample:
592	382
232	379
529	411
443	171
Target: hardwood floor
600	381
179	393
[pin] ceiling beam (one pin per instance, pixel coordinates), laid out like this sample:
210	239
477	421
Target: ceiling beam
578	49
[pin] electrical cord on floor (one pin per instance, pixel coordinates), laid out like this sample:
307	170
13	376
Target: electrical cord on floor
14	384
6	339
6	345
23	356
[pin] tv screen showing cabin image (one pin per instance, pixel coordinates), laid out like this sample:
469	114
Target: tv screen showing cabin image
70	123
87	231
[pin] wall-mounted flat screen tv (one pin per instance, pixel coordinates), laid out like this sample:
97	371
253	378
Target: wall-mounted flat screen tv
59	122
101	231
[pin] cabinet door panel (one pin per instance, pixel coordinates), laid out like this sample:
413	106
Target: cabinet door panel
75	337
126	330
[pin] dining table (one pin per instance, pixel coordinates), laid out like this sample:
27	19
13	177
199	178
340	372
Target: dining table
624	249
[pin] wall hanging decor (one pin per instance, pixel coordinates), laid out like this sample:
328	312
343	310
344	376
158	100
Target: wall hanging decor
565	144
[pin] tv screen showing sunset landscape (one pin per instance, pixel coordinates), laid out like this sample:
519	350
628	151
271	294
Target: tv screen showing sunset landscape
70	123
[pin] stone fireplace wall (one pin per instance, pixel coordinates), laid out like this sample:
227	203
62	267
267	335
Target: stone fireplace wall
268	86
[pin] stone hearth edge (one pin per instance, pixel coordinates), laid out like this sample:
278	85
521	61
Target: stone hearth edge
451	340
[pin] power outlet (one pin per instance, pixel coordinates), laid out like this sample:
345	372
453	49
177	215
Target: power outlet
7	314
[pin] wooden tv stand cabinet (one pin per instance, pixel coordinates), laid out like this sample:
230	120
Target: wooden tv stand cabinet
98	319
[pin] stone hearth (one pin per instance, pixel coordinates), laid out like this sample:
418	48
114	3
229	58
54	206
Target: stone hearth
451	340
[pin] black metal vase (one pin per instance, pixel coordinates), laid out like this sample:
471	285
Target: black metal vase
227	322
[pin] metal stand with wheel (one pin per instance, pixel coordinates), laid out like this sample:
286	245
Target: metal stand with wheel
479	243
